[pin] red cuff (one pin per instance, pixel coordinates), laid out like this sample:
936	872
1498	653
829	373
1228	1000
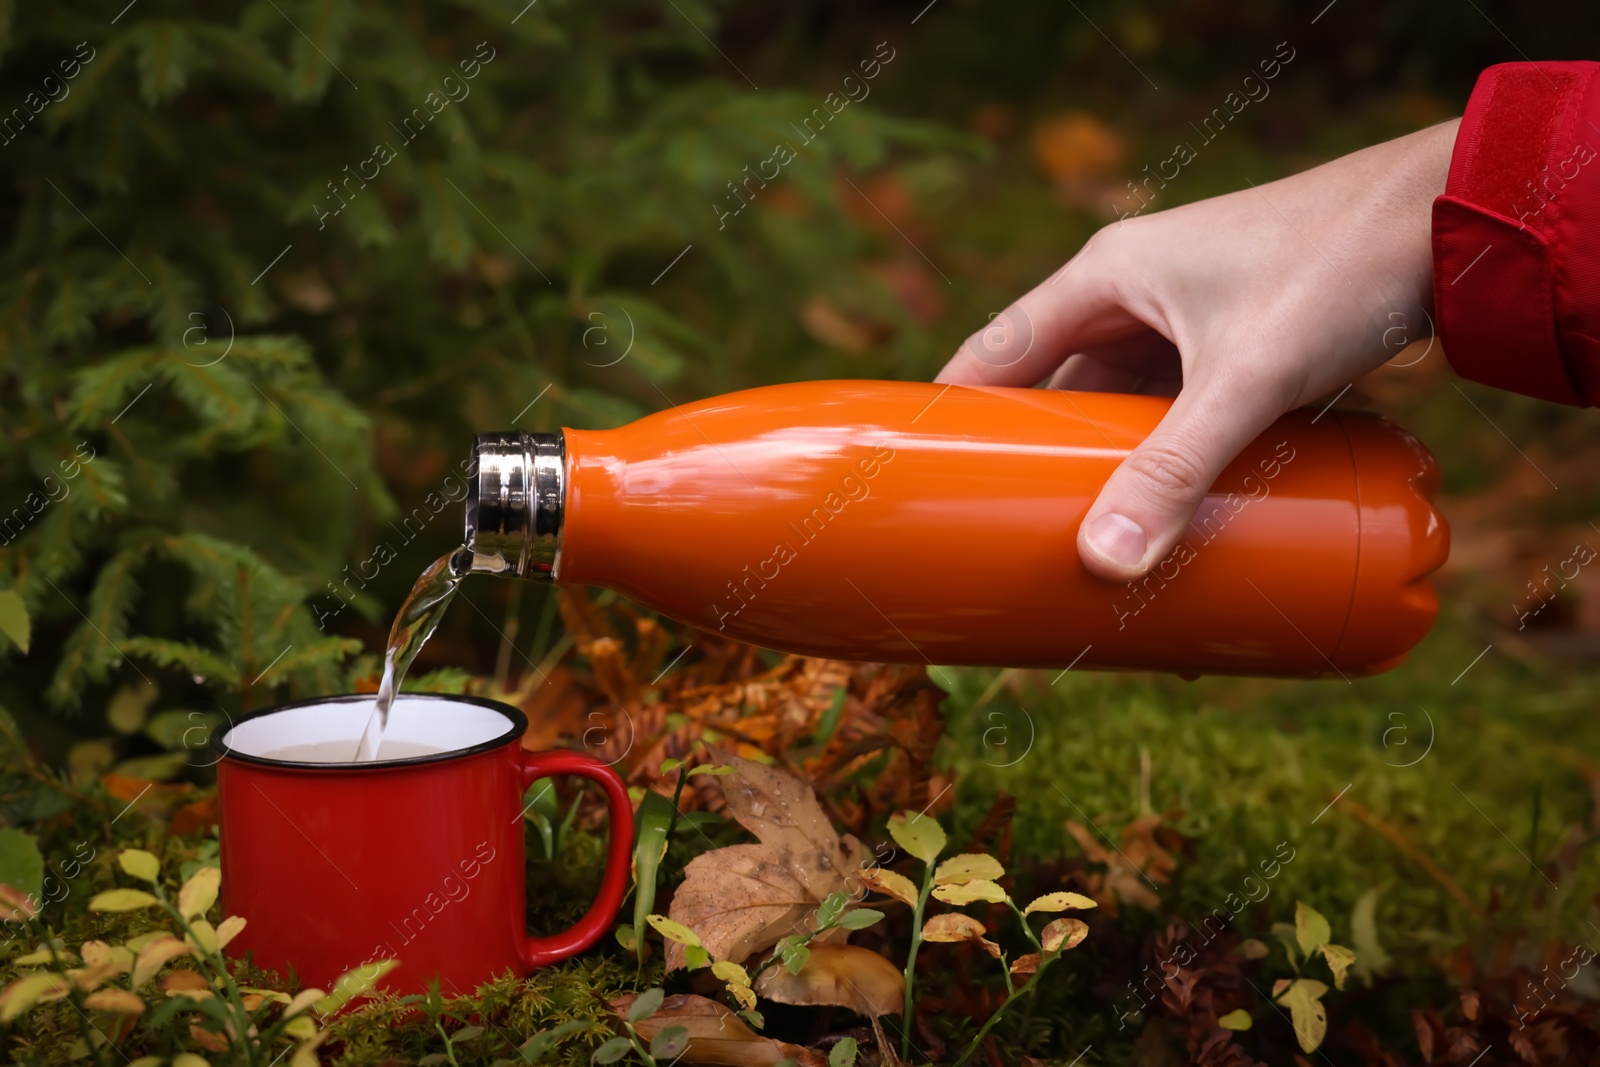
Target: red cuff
1516	237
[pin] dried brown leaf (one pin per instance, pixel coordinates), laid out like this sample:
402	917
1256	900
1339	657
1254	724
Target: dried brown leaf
87	978
743	898
716	1034
184	981
15	905
118	1001
158	954
1025	965
1063	934
207	1039
779	808
846	975
953	926
1133	868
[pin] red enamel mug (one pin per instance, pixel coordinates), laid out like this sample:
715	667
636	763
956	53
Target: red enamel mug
413	857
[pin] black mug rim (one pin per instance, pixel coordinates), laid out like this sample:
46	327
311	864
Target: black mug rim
519	726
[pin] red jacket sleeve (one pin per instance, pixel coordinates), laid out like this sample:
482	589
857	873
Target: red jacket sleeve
1516	236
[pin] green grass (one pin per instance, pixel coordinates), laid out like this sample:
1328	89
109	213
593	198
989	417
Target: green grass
1252	763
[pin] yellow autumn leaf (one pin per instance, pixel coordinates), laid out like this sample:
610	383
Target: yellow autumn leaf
189	1059
199	892
1237	1020
1310	928
205	936
157	955
730	972
1303	998
139	863
90	978
969	892
122	900
94	953
737	980
890	884
302	1000
1339	960
32	989
1252	949
137	944
1063	934
353	984
968	867
1062	901
33	959
673	930
919	834
229	929
305	1053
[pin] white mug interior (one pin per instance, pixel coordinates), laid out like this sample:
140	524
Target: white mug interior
439	724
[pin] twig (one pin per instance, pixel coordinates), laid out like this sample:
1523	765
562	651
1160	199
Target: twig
1411	851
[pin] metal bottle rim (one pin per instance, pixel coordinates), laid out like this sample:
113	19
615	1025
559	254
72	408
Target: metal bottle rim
516	497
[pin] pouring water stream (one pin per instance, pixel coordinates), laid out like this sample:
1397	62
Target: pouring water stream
417	619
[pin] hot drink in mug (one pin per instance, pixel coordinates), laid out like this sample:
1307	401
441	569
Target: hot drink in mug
416	856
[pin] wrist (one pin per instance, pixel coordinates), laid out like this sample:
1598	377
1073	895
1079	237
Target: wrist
1438	146
1423	179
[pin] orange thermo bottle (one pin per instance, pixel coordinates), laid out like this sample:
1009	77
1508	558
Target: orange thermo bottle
920	523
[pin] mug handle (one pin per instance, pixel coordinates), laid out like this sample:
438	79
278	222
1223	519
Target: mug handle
539	951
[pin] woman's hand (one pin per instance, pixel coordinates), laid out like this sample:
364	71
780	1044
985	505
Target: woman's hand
1246	306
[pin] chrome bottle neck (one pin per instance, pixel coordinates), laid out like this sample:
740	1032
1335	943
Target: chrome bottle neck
515	499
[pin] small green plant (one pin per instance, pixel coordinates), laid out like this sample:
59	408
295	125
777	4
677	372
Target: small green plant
655	822
253	1027
966	879
791	952
668	1044
471	1039
794	952
133	721
1309	937
544	812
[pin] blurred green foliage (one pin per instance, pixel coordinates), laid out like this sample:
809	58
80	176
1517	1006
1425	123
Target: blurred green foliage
265	268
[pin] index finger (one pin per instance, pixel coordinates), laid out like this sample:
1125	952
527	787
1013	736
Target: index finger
1080	305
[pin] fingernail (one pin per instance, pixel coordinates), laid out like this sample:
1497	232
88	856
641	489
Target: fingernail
1117	538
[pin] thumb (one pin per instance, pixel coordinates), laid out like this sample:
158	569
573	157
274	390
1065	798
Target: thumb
1150	498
